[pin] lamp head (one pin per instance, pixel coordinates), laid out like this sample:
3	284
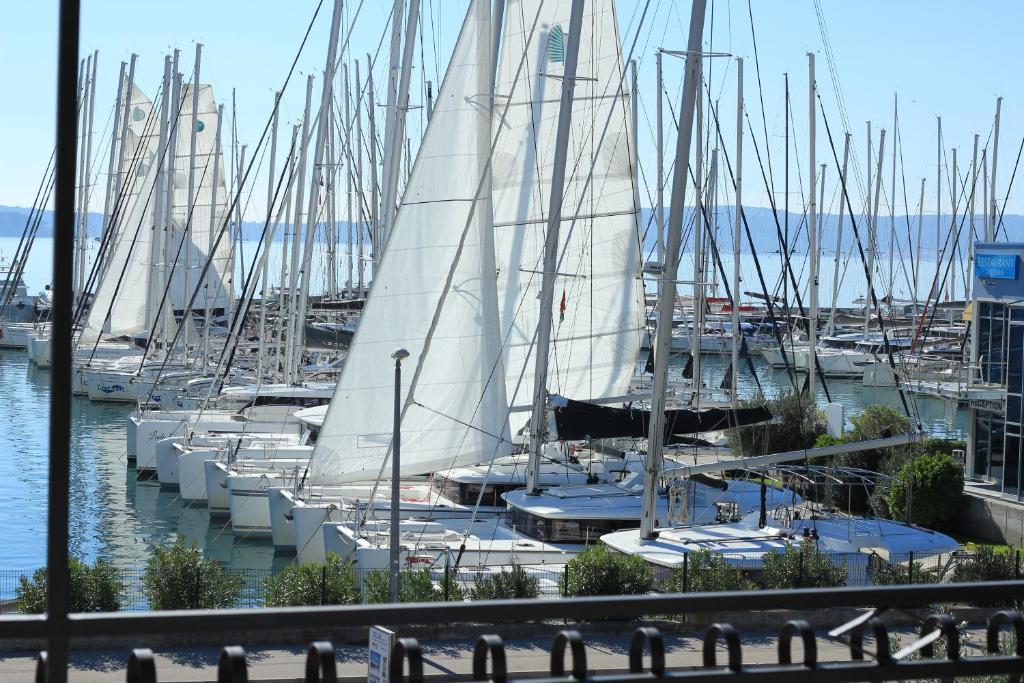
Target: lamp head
400	355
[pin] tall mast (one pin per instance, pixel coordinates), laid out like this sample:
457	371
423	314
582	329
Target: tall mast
168	322
839	240
160	223
128	91
812	232
920	226
281	344
785	207
968	285
660	211
348	179
954	245
85	177
293	313
867	221
112	159
397	133
663	340
538	420
332	226
78	265
190	202
892	198
938	206
358	170
391	111
698	227
994	209
212	292
873	232
376	246
737	333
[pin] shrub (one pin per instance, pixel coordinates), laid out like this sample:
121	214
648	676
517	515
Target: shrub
898	575
825	440
987	565
600	571
179	577
797	425
413	586
707	572
332	582
802	566
92	588
877	422
935	483
508	584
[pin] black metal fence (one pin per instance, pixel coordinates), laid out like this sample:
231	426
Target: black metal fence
551	581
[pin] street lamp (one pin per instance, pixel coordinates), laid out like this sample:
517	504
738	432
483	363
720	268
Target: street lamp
396	447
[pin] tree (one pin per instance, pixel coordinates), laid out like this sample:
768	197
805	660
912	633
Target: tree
332	582
931	485
92	588
877	422
413	586
707	572
179	577
802	566
601	571
508	584
797	424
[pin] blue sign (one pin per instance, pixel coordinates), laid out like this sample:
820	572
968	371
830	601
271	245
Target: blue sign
995	266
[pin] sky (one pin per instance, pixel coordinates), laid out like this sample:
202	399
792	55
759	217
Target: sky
942	57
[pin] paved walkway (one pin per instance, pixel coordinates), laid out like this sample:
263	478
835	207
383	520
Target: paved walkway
443	658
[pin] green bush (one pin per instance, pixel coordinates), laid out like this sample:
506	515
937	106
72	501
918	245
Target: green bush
413	586
179	577
707	572
802	566
797	425
600	571
92	588
899	575
332	582
877	422
825	440
508	584
935	483
987	565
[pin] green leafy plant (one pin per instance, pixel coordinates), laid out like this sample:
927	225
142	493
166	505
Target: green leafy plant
413	586
898	575
601	571
877	422
507	584
707	572
986	564
179	577
927	490
802	565
95	587
797	425
332	582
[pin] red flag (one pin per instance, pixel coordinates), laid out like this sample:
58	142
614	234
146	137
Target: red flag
561	308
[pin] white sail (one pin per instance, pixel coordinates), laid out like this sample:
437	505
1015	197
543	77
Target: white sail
596	339
204	231
126	275
458	413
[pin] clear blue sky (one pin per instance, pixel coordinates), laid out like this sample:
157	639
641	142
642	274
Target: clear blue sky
942	57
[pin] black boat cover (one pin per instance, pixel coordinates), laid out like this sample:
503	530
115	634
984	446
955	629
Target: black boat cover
577	420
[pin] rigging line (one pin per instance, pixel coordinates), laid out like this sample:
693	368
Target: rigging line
860	248
45	182
760	94
1006	199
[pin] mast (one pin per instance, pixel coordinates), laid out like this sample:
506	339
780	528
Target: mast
189	204
397	136
376	244
892	199
538	420
812	233
920	225
78	269
293	313
954	244
332	226
281	340
655	440
211	293
698	225
839	240
390	138
938	207
968	284
128	90
785	210
160	223
660	211
168	321
737	333
990	236
112	159
358	170
867	221
348	180
873	234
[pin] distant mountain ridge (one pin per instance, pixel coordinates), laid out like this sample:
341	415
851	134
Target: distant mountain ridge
762	228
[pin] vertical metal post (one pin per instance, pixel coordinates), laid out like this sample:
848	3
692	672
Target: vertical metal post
938	205
357	169
839	239
990	235
193	119
348	178
972	238
270	209
112	159
655	438
812	233
867	223
212	240
892	200
538	420
660	245
57	580
125	113
737	333
376	241
293	314
920	227
397	132
396	500
873	231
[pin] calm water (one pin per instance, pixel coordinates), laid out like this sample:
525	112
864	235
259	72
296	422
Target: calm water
114	516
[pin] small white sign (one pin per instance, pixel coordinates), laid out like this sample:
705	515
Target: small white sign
381	642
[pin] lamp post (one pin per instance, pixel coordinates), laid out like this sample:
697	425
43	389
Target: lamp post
396	448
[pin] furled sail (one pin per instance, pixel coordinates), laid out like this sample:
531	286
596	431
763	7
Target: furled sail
126	276
457	414
578	420
207	218
597	314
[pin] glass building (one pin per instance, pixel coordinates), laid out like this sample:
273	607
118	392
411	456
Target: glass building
997	355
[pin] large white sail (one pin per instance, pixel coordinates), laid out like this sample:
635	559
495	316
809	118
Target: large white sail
458	413
598	309
207	219
125	278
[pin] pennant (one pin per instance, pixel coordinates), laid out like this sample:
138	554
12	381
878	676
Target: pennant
561	308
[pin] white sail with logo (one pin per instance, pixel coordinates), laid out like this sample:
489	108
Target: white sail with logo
457	413
598	307
123	288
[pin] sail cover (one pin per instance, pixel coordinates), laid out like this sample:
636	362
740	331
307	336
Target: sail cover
457	412
126	275
578	420
597	314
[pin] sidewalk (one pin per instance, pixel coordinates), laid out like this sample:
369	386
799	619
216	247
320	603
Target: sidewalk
605	654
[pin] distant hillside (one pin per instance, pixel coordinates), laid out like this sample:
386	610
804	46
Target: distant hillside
762	227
